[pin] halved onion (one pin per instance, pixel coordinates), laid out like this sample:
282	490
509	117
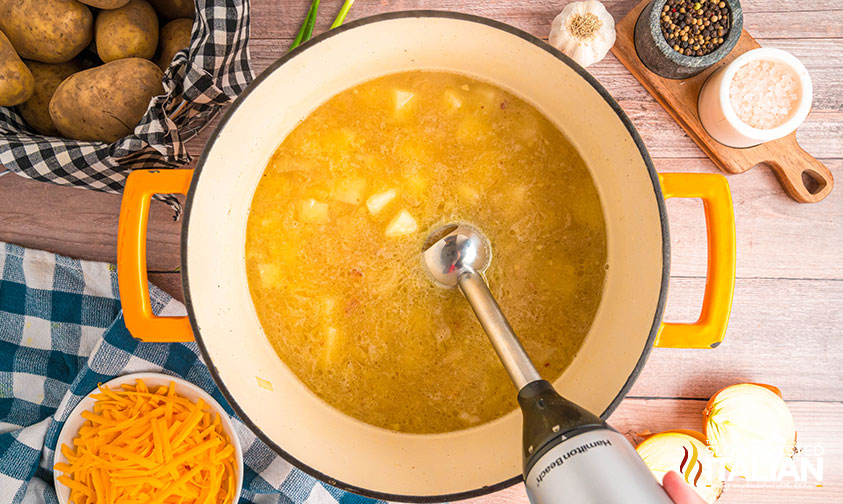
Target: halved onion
685	452
750	427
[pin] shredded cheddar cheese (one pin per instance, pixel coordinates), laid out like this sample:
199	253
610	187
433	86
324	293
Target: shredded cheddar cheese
145	447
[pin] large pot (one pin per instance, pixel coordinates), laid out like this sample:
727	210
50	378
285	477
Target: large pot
267	396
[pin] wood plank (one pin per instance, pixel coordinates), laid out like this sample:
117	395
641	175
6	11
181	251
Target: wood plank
788	18
781	332
774	234
776	237
78	223
795	24
169	283
818	424
789	5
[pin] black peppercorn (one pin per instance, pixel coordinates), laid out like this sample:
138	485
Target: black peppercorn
694	27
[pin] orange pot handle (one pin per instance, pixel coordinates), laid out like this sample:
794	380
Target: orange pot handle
708	331
132	280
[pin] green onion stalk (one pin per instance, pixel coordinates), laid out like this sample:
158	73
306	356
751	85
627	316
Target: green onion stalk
306	30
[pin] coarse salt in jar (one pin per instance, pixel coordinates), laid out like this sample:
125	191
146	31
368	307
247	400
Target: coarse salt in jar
763	95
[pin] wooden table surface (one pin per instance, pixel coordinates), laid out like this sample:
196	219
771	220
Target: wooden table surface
786	327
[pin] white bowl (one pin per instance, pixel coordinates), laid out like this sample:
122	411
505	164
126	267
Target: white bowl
721	121
153	380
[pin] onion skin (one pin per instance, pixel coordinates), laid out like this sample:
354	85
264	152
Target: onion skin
688	432
662	459
710	411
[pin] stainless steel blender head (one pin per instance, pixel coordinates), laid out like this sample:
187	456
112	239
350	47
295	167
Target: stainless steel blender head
457	255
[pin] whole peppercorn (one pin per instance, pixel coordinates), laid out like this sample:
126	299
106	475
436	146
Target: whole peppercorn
694	27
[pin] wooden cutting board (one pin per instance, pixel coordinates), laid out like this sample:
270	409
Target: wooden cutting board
803	177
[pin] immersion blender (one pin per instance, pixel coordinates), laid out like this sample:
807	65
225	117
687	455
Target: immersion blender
570	455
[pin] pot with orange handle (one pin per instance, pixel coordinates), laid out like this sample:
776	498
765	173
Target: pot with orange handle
222	318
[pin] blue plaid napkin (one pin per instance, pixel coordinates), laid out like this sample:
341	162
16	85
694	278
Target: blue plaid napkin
61	333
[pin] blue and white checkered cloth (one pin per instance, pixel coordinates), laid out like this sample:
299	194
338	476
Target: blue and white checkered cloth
61	333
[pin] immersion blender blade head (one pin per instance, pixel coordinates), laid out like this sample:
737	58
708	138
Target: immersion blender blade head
453	250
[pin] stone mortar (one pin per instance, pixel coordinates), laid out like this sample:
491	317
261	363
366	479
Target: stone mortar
661	59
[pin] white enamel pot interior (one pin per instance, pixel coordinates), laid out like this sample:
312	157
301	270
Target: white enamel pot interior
292	420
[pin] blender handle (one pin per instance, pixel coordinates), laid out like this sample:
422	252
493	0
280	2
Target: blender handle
594	466
710	328
571	455
132	279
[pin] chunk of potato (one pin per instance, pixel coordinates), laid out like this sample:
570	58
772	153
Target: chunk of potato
487	94
472	128
413	155
128	32
338	141
529	132
333	337
351	191
468	193
468	418
310	210
329	349
328	305
402	98
402	224
417	183
376	202
49	31
270	275
518	193
452	100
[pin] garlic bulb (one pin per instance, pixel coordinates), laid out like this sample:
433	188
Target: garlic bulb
584	31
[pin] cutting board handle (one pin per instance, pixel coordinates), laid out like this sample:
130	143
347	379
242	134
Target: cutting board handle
803	177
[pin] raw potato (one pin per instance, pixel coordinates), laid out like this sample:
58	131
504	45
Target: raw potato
36	110
105	103
173	9
49	31
16	82
105	4
175	36
128	32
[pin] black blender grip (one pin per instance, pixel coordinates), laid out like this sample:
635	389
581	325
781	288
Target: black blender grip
549	418
572	456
